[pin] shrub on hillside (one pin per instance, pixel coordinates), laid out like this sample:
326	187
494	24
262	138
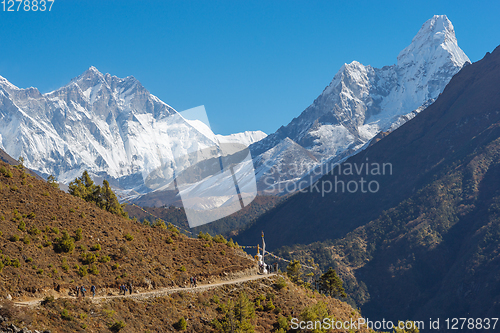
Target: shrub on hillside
93	270
281	283
117	326
22	226
181	325
269	306
78	235
48	300
34	231
159	223
104	259
52	181
220	239
64	243
6	172
205	236
172	228
88	258
318	311
65	315
83	271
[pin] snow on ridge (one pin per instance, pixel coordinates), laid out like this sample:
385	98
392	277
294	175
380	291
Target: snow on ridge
245	138
125	132
361	101
4	82
112	127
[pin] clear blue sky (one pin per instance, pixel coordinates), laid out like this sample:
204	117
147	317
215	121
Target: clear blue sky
253	64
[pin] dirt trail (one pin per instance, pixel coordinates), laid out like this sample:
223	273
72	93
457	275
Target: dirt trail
154	293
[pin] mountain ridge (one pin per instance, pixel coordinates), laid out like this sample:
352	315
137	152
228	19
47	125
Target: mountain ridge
429	237
362	101
110	126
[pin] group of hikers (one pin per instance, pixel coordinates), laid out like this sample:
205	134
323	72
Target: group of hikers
123	289
193	281
82	290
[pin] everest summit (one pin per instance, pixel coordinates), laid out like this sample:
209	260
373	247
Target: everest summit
112	127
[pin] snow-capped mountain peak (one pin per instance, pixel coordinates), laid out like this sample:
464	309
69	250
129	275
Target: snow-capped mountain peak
361	101
435	39
91	76
112	127
6	84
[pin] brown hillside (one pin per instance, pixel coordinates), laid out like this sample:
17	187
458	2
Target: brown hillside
200	309
150	258
37	214
9	160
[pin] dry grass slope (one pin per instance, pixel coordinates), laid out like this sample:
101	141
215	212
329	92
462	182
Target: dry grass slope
103	249
200	310
112	250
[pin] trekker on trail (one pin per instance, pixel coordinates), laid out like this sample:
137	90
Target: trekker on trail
82	288
191	282
195	282
130	287
124	290
77	291
92	289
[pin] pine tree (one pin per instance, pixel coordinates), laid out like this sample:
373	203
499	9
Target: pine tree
107	200
293	272
243	308
331	284
84	188
237	316
103	197
52	181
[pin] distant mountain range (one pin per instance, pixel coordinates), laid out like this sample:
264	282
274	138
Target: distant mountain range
426	244
112	127
117	130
